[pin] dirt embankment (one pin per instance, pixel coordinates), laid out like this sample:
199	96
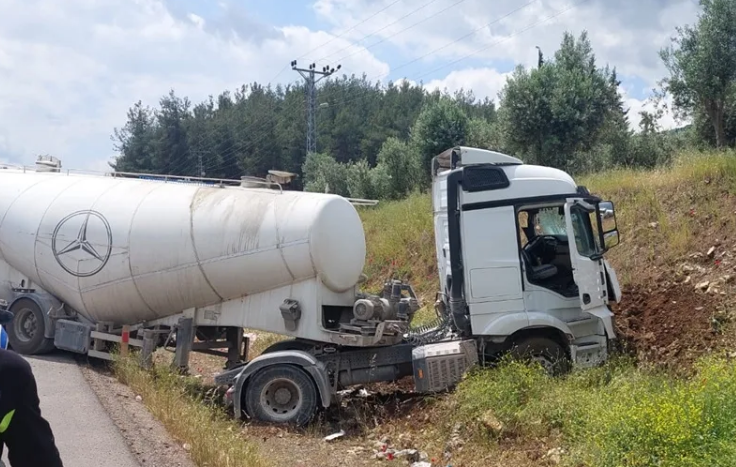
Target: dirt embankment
675	316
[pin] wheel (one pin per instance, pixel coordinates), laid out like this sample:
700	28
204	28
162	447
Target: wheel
210	333
25	332
548	353
281	394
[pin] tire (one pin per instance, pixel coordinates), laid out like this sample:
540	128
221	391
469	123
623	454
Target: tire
548	353
210	333
26	331
264	403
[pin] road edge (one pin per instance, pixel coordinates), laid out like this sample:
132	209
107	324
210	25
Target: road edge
146	437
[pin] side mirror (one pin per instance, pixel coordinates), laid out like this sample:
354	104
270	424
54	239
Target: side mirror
610	239
608	217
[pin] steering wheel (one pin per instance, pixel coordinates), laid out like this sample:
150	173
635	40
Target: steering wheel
548	247
549	241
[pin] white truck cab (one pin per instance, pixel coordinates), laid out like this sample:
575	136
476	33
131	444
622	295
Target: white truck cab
520	252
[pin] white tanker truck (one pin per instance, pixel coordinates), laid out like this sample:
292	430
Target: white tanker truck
86	260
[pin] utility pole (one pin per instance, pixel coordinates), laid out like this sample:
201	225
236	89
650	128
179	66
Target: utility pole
310	76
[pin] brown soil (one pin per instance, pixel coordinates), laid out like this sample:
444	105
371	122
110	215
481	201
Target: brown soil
672	323
664	324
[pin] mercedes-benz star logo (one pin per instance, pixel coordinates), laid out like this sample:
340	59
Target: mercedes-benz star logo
82	243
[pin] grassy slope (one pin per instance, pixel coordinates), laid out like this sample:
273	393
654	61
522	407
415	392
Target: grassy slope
635	410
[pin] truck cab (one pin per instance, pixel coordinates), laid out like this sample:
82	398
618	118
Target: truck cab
520	251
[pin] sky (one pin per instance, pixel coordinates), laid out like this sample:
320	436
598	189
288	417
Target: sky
71	69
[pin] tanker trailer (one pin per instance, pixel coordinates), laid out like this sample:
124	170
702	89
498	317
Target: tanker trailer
128	251
89	260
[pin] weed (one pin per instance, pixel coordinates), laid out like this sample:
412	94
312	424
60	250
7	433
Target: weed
191	414
613	415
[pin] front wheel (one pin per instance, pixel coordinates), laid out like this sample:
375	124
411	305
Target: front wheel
281	394
548	353
26	331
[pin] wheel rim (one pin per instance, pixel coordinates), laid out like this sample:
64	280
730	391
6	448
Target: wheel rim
281	398
25	325
546	363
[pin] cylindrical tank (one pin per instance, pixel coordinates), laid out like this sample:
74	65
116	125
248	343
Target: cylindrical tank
128	250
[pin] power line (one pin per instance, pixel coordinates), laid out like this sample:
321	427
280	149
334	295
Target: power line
431	52
361	94
350	29
402	31
531	26
314	138
379	30
338	36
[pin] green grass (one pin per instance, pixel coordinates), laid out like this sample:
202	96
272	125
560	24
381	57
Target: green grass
400	242
615	415
190	416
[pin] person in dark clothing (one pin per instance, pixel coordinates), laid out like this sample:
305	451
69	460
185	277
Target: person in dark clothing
26	434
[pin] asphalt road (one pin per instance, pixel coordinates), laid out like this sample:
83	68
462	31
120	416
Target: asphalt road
85	434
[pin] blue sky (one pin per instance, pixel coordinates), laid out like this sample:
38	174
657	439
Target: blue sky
70	70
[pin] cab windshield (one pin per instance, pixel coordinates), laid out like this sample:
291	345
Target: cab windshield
551	221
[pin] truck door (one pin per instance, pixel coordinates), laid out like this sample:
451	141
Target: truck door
586	254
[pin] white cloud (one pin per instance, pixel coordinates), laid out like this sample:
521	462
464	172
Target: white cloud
70	70
626	33
666	122
484	82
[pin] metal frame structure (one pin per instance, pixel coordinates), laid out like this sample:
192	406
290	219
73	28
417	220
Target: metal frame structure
310	77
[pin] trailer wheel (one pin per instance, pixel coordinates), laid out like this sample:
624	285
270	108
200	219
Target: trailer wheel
548	353
281	394
26	332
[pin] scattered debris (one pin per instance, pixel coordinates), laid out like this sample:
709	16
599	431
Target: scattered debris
388	454
138	398
703	285
333	436
187	447
421	464
711	252
491	423
412	455
555	455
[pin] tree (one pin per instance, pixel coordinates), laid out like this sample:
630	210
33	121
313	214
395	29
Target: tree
399	169
702	65
135	141
555	114
323	174
440	126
